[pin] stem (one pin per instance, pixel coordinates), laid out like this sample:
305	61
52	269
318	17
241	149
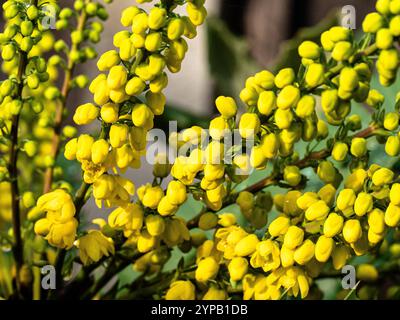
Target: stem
13	171
66	88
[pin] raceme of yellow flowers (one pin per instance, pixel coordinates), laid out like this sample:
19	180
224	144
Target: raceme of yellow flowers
258	259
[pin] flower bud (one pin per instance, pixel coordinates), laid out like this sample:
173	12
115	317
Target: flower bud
157	18
352	230
181	290
340	254
246	246
392	215
342	51
382	176
279	226
367	272
237	268
285	77
266	102
324	248
309	50
317	211
326	171
288	97
391	121
358	147
226	106
372	23
108	60
292	175
293	237
339	151
100	150
305	252
85	114
315	75
345	199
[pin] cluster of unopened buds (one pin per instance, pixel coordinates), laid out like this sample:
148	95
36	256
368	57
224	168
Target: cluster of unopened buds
287	116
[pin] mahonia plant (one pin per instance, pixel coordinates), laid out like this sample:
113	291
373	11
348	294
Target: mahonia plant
312	233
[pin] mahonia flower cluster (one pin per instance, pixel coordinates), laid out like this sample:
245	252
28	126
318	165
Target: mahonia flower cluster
153	43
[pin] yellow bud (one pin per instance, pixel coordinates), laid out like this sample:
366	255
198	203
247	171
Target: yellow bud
246	246
279	226
84	147
208	221
367	272
156	102
176	193
315	75
140	23
339	151
197	14
108	60
287	257
155	225
382	176
384	38
283	118
237	268
305	252
265	79
85	114
249	125
293	237
266	102
288	97
285	77
135	86
395	194
175	29
342	51
100	150
71	149
292	175
324	248
117	77
352	230
181	290
346	199
165	208
340	254
118	135
305	107
128	14
309	50
391	121
392	146
326	171
317	211
142	115
109	112
215	294
157	18
363	204
372	23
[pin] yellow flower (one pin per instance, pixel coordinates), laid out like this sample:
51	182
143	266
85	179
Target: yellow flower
93	246
267	256
356	180
181	290
372	22
392	215
339	151
207	269
270	145
395	194
323	248
358	147
165	208
226	219
376	221
237	268
129	217
293	237
305	252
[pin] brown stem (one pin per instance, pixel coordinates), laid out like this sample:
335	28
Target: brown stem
307	161
58	121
